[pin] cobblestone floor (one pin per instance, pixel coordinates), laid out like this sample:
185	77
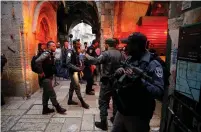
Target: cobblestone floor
19	115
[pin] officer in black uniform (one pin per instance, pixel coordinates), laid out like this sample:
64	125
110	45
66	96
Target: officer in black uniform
136	100
110	61
73	63
46	72
87	71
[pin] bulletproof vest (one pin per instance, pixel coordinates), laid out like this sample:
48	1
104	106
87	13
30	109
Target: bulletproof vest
112	62
48	66
135	98
75	60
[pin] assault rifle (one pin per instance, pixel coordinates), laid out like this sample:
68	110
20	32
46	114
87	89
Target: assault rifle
138	72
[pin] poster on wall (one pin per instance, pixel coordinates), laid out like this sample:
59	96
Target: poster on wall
188	79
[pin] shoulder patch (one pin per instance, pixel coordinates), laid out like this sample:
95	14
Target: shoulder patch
159	72
69	54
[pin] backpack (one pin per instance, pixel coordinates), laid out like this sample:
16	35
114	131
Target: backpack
34	66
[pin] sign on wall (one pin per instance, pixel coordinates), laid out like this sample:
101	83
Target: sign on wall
188	79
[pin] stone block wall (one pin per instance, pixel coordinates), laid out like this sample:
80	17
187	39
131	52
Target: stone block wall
106	15
21	22
12	47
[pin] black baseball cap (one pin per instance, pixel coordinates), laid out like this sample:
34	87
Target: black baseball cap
110	41
135	37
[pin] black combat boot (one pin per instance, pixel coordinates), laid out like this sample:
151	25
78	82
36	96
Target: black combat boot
84	105
47	110
70	101
59	109
102	125
90	93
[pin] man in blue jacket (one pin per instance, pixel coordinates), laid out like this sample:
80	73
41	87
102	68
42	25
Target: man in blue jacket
136	100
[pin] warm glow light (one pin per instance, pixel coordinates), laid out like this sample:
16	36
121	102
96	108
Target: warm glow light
165	32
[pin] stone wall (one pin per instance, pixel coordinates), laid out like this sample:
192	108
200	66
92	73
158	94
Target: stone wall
106	16
22	23
119	18
126	16
12	46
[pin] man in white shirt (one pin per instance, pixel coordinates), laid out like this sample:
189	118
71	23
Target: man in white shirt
58	52
57	56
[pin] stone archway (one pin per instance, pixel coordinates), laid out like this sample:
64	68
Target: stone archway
44	23
43	31
77	12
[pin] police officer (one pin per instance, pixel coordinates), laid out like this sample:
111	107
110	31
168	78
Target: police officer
110	61
136	101
73	63
88	68
46	71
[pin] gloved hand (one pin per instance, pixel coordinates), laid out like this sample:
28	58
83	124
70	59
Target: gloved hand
128	71
120	71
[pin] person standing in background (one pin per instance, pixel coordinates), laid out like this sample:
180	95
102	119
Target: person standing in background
57	55
85	46
89	69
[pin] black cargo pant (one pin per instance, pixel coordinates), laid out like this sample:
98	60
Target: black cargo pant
89	77
74	85
48	92
104	100
130	124
40	81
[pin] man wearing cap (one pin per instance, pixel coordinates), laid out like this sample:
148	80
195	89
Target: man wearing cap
136	101
110	61
73	63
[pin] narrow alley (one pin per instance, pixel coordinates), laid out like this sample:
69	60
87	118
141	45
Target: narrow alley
90	66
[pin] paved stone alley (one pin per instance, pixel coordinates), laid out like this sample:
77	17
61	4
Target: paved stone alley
19	115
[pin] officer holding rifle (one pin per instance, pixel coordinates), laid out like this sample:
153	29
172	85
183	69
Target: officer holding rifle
138	87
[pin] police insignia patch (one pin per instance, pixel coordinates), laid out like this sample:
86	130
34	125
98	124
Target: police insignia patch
159	72
69	54
90	51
